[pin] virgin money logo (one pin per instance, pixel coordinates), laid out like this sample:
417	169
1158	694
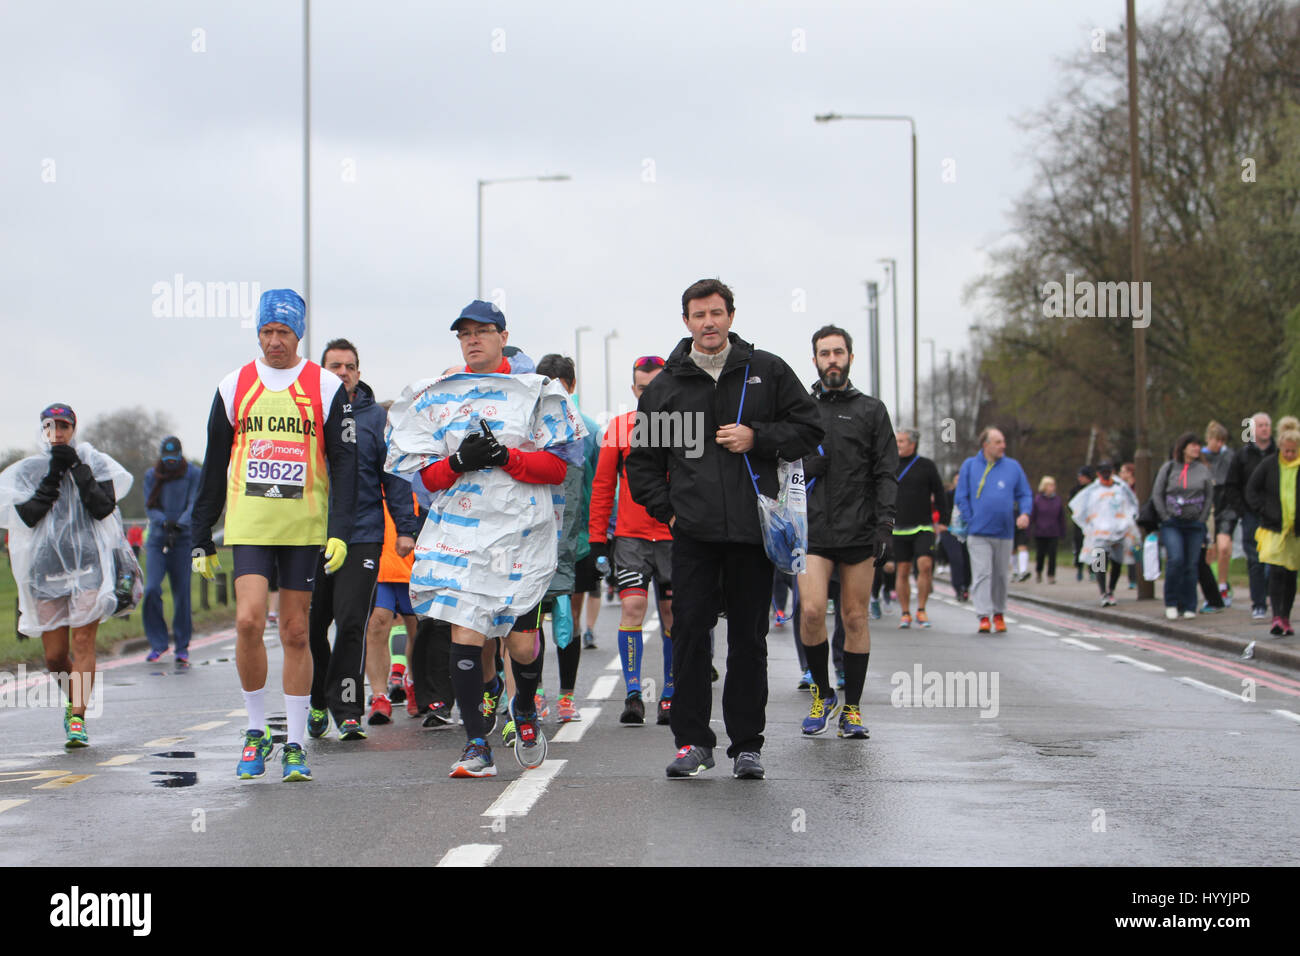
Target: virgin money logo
261	448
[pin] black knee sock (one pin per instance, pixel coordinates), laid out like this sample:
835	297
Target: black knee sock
467	679
568	657
817	655
855	676
527	677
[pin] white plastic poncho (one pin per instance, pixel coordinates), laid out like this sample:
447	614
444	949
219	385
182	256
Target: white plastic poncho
1108	516
488	548
67	567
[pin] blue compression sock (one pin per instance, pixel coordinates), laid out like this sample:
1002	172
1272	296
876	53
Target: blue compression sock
629	654
668	666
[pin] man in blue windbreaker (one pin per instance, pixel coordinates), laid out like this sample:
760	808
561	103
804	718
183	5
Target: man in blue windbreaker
989	487
171	487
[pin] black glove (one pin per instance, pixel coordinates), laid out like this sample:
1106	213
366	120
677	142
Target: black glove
471	454
63	457
171	530
814	466
884	538
497	454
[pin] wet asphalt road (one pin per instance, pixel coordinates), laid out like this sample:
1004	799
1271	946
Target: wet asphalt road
1084	758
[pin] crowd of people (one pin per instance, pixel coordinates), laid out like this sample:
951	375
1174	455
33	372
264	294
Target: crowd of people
438	534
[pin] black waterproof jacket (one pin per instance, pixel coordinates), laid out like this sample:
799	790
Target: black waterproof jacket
858	490
706	487
1244	462
1264	495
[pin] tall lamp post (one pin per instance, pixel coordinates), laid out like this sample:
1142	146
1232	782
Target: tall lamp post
577	359
893	284
609	402
934	408
306	169
554	178
874	117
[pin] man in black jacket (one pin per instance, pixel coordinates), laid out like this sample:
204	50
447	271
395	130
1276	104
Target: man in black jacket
1244	463
703	491
920	494
851	494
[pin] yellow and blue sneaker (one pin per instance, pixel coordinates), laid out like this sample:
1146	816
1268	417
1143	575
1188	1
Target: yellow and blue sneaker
822	712
851	724
294	762
257	749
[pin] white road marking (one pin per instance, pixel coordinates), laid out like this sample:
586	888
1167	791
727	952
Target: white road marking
1009	619
1075	642
10	804
210	725
470	854
1288	715
1040	630
162	742
615	665
238	713
1154	668
649	627
603	688
1211	688
572	732
64	781
525	791
120	760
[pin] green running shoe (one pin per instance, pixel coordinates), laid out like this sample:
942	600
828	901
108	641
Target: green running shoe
294	762
318	722
76	732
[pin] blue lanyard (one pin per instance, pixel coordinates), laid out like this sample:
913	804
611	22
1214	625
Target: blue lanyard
905	470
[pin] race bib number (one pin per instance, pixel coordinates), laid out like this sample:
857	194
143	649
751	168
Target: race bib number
275	469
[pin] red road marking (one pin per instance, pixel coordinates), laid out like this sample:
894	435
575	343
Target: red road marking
1239	671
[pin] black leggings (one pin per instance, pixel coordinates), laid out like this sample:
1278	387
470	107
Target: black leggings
1281	591
1114	568
1209	586
1046	549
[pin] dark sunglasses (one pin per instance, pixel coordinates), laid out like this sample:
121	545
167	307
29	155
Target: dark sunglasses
647	362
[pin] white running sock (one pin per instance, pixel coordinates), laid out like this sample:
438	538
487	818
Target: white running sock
255	704
1023	561
295	709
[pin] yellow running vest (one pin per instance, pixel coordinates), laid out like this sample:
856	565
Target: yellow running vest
277	488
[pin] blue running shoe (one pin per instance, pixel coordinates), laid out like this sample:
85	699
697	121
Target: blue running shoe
805	681
318	722
851	724
76	733
822	712
257	750
476	761
295	763
875	609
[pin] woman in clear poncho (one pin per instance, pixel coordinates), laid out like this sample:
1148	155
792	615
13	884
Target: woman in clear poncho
69	556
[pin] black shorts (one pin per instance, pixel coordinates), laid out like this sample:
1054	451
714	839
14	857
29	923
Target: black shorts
586	579
854	554
638	561
294	564
909	547
1022	538
530	620
1226	525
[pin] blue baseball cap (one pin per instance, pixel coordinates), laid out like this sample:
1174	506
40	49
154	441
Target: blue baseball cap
170	449
480	311
284	306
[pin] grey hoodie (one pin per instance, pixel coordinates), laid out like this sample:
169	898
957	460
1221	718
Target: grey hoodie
1183	492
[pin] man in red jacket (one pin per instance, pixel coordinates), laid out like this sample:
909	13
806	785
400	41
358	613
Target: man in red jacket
642	550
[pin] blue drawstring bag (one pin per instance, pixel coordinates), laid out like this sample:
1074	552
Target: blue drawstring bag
784	522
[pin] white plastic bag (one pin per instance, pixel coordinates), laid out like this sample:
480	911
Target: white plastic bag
69	566
1151	557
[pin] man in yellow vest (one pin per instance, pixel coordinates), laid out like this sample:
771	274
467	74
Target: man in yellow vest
281	460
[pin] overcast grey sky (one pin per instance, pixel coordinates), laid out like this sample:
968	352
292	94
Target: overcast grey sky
130	157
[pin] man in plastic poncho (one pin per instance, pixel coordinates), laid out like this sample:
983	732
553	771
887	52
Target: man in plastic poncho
1106	510
68	554
483	440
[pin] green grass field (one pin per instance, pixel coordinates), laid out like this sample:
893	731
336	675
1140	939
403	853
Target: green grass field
13	650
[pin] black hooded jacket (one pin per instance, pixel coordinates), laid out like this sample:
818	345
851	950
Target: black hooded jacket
704	486
854	484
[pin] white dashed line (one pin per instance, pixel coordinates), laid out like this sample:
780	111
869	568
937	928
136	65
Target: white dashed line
120	760
603	688
162	742
238	713
1288	715
1143	665
525	791
1192	681
615	665
471	854
10	804
1040	630
572	732
210	725
1075	642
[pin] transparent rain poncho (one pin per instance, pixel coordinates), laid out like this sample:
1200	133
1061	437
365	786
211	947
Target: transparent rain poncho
488	549
71	569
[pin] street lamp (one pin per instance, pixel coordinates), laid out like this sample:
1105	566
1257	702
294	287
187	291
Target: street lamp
829	117
577	360
893	283
934	410
306	172
609	402
553	178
